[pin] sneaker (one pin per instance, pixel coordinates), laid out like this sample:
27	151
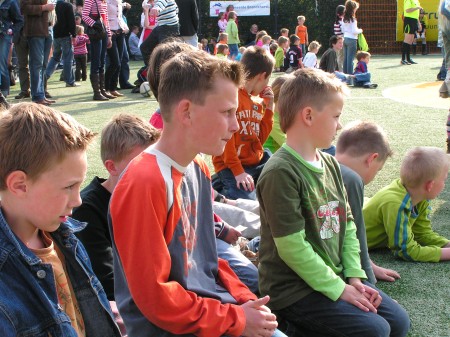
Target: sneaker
23	94
370	86
405	63
74	84
411	61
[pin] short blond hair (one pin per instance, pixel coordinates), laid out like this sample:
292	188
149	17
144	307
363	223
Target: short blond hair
266	39
421	164
123	134
35	137
282	39
314	45
360	138
308	87
301	17
79	29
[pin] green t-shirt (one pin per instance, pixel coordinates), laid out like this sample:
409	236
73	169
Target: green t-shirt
308	238
276	137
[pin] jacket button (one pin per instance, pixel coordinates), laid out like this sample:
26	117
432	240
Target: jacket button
41	274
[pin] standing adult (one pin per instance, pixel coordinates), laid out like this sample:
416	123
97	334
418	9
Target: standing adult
92	11
411	12
188	17
12	22
118	29
251	35
38	29
63	33
22	50
350	29
167	26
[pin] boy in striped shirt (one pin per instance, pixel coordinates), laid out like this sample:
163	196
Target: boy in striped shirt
398	216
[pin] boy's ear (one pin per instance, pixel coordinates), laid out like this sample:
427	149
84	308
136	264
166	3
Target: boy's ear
111	167
182	111
16	182
371	157
306	115
429	185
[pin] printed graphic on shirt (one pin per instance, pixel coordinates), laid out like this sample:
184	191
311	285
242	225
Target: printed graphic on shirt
188	239
329	215
249	127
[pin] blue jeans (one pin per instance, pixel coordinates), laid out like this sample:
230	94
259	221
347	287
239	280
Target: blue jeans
242	267
234	50
317	315
39	50
115	54
62	46
5	46
349	54
124	75
98	55
362	79
231	191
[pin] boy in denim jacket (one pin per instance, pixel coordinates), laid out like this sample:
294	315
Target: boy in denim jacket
47	287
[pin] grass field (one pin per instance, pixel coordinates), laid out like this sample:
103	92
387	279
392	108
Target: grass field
424	288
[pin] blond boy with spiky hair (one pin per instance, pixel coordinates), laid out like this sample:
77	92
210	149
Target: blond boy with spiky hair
398	216
47	286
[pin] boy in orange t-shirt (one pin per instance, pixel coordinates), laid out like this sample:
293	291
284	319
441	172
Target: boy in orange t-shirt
302	32
239	166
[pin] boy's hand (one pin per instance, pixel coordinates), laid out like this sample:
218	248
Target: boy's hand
232	236
259	320
246	180
267	95
384	274
371	294
354	296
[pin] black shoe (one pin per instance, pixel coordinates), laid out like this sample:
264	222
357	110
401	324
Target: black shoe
405	63
23	94
47	94
370	86
126	86
4	103
411	61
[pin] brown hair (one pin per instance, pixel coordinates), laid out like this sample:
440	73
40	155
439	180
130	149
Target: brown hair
123	133
221	48
284	30
163	53
260	34
282	39
256	61
422	164
34	137
350	7
359	138
362	55
232	15
278	83
308	87
191	75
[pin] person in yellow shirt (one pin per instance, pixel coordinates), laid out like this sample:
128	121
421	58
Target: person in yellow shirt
411	11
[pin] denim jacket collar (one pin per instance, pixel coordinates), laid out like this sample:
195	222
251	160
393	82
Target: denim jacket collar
13	242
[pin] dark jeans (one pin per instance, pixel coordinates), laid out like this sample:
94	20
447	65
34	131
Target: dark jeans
316	315
158	35
22	59
98	55
115	54
80	68
231	191
39	51
124	75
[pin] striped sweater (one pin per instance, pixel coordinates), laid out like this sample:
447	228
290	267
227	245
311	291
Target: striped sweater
168	12
79	46
90	10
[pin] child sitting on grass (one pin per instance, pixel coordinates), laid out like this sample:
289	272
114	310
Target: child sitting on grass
398	216
361	150
362	75
309	253
47	286
238	168
310	59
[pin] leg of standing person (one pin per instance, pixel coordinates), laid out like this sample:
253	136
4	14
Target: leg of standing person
124	75
47	48
192	40
67	55
96	54
36	45
24	73
83	59
55	59
448	132
113	64
78	68
5	46
349	54
444	90
149	44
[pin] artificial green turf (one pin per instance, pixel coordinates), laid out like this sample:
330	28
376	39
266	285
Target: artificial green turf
424	289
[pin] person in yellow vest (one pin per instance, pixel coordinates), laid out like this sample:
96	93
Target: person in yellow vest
411	11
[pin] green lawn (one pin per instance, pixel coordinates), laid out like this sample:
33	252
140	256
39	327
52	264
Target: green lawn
424	288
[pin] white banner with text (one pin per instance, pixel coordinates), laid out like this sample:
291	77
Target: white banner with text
242	8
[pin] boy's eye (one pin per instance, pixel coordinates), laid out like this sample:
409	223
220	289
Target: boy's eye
70	187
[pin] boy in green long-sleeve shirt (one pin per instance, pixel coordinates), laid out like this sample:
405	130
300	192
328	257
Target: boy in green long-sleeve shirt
398	216
309	253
